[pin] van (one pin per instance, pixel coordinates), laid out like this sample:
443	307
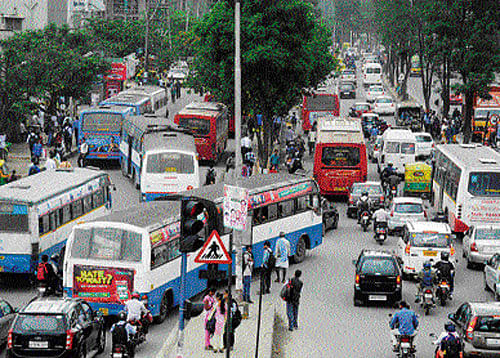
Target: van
398	148
372	74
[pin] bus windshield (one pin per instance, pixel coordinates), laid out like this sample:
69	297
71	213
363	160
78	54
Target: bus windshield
340	156
200	126
484	184
106	244
170	162
109	122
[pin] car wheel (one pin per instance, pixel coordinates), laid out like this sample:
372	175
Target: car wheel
336	223
497	296
470	264
101	342
300	251
82	351
486	288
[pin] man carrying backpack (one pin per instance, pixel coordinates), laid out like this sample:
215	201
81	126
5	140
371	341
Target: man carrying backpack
426	279
235	320
268	264
45	273
449	343
292	299
122	333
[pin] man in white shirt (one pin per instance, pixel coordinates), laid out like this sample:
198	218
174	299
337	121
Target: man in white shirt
246	145
84	149
50	163
135	308
380	217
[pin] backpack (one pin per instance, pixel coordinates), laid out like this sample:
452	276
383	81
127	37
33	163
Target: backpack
271	261
42	272
286	291
451	346
427	278
236	317
120	335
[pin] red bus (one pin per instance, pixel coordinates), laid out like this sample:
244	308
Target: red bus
209	124
211	98
340	155
316	105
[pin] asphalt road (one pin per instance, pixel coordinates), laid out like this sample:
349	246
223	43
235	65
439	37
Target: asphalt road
329	323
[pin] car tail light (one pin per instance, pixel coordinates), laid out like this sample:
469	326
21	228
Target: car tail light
428	291
398	280
407	248
382	199
473	247
425	214
357	279
70	335
470	328
452	250
9	339
189	187
405	339
144	300
392	212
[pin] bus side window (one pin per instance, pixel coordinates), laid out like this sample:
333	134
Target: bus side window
272	212
65	214
301	204
87	204
286	208
43	224
54	220
98	198
77	208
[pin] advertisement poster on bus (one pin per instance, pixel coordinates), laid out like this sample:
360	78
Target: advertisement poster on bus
483	211
103	146
102	284
235	207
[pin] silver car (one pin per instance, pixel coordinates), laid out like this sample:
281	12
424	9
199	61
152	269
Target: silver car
403	210
480	243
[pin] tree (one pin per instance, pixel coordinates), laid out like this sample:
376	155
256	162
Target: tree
284	49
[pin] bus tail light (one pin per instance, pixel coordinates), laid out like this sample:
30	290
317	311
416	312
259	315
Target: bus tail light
473	247
70	335
357	279
470	329
407	249
452	250
392	212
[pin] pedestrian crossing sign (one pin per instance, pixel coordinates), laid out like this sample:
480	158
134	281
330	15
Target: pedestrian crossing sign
213	251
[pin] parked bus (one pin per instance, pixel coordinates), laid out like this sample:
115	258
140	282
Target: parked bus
316	105
466	185
208	121
138	249
156	94
161	159
340	155
100	127
37	213
211	98
140	103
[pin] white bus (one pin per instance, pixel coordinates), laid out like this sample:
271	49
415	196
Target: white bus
138	249
37	213
466	184
161	159
158	95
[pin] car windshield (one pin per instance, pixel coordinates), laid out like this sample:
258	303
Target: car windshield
39	324
427	239
488	234
371	189
488	324
423	139
106	243
362	107
383	100
346	87
383	266
373	70
484	184
408	208
376	89
170	162
340	156
200	126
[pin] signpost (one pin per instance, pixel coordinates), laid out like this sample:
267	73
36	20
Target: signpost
213	251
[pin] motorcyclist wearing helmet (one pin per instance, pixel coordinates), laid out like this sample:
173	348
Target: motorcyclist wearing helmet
363	204
404	322
443	342
122	333
386	172
440	217
426	279
446	270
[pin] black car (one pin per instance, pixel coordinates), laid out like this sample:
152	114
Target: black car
347	90
378	277
56	327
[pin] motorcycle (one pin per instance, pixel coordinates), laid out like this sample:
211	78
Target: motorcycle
120	351
406	349
427	302
380	234
365	220
294	163
210	177
443	292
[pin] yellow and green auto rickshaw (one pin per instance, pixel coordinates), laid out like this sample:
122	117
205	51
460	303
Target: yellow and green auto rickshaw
418	178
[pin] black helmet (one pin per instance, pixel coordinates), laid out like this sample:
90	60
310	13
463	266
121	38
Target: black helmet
55	257
449	327
122	316
365	193
427	265
445	256
390	165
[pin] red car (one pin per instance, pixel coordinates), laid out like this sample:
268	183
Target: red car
455	99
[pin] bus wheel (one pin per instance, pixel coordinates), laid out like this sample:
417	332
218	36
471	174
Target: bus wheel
300	252
164	307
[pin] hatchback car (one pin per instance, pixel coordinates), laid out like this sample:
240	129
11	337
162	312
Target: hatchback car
492	275
373	92
347	90
383	105
478	324
424	145
405	209
375	194
56	327
423	241
378	277
480	243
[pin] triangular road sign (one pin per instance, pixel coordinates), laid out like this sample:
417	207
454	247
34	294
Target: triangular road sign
213	251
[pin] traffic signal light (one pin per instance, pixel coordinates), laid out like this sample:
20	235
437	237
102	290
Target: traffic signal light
191	225
192	309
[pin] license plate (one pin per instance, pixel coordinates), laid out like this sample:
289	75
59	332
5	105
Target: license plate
37	344
377	298
430	253
381	236
493	341
117	355
427	295
405	345
104	311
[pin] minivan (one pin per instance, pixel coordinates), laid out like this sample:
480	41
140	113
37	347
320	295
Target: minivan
372	74
398	148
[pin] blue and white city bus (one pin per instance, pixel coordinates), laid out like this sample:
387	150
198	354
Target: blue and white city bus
38	212
138	249
161	159
140	103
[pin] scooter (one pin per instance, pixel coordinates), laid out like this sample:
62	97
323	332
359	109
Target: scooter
406	349
381	234
427	302
120	351
365	220
443	292
294	163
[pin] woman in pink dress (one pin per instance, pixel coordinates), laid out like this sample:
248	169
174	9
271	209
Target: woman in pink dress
209	302
220	321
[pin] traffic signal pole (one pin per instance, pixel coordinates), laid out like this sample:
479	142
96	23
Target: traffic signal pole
182	309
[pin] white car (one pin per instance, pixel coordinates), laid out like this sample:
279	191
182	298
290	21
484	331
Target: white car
423	241
424	145
177	74
348	75
403	210
373	92
384	105
480	243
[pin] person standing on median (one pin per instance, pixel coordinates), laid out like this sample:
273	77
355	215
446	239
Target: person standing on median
282	252
220	322
292	303
208	304
268	266
247	273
